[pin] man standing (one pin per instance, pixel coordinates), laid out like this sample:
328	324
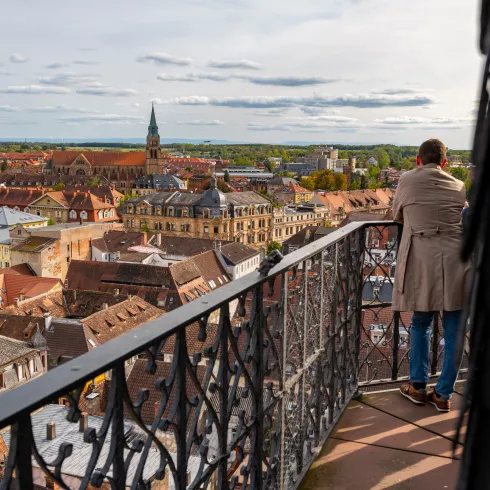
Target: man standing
430	276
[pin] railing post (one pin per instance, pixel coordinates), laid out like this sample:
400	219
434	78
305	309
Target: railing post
181	395
396	343
21	441
223	380
119	470
284	292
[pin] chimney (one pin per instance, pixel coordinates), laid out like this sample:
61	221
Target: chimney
16	301
50	431
105	306
145	238
83	423
47	321
159	239
116	292
155	409
130	297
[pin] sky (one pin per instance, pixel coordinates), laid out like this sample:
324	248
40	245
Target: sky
267	71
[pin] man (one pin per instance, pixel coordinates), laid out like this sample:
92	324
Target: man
430	275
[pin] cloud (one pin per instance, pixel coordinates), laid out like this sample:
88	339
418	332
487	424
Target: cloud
61	108
136	104
101	118
275	81
34	89
8	108
18	58
96	88
290	81
85	62
164	59
214	122
66	78
56	65
193	77
157	101
396	91
235	64
316	111
271	113
309	126
408	122
361	101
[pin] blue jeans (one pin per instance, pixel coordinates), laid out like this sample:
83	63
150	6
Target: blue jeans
420	348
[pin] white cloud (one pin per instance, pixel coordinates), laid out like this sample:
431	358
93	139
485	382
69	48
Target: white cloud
165	59
289	81
99	89
157	101
309	126
193	77
106	118
214	122
34	89
18	58
360	101
61	108
411	122
56	65
67	78
85	62
235	64
9	108
136	104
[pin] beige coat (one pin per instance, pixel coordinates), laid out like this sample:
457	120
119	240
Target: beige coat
429	274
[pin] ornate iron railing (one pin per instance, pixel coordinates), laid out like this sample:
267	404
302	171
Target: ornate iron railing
241	387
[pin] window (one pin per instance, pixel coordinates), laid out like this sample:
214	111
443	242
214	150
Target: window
49	214
100	214
73	214
20	371
26	209
32	366
7	264
84	215
216	229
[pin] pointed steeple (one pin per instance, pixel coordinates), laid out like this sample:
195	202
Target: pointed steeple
153	128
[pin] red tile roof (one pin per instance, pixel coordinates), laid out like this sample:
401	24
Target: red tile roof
101	158
27	287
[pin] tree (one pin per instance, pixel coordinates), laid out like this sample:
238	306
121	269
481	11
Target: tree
50	222
124	199
4	165
94	181
382	157
144	228
59	186
226	177
363	184
325	180
459	173
340	182
273	246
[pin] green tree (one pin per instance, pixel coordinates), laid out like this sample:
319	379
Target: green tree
382	157
50	222
226	177
340	182
144	228
363	184
59	186
124	199
273	246
460	173
94	181
325	180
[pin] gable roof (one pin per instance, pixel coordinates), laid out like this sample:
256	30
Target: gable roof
58	196
34	244
11	349
101	158
19	269
236	253
25	287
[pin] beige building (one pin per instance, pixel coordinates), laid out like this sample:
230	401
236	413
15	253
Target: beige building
49	250
244	217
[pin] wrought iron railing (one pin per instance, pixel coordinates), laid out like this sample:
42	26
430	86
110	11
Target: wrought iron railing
242	386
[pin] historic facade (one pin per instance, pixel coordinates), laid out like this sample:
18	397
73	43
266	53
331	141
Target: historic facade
118	167
244	217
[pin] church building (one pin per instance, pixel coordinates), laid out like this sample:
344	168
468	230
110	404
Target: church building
121	168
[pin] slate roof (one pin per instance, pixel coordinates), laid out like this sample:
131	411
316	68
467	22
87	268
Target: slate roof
159	181
81	303
76	464
236	253
34	244
11	349
11	217
210	268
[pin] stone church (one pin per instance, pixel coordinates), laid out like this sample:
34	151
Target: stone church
120	168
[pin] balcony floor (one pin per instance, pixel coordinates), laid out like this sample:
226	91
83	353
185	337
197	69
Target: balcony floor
384	441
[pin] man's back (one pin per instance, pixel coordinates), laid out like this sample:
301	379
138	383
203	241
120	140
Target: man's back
427	197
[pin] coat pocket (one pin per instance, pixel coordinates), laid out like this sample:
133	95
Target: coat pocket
401	263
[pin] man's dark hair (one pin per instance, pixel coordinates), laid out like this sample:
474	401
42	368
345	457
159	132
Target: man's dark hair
432	151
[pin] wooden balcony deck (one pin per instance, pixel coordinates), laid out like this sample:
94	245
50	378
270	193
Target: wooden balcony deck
383	441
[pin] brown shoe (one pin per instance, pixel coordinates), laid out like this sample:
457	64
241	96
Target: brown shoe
442	405
415	396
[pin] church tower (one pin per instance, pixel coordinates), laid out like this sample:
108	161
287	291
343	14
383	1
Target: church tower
153	150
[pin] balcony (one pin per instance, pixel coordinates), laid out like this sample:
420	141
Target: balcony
277	380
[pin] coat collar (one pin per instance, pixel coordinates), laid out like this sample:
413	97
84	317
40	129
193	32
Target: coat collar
431	165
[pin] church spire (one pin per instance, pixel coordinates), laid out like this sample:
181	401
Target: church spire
153	128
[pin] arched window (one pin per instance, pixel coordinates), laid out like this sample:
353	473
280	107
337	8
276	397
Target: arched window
73	214
26	209
16	208
205	213
106	213
170	211
101	214
83	215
